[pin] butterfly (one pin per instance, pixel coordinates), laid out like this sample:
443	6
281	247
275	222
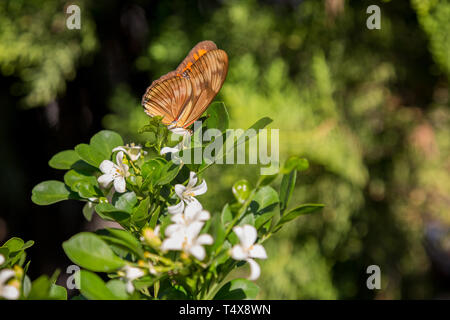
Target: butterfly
181	96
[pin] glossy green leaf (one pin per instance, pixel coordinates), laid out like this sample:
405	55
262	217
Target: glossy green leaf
124	202
286	189
108	212
64	160
57	292
237	289
142	210
296	212
218	117
49	192
118	289
93	287
295	163
91	252
121	238
100	147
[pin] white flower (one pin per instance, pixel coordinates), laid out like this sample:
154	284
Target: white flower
188	240
247	249
2	259
170	150
7	291
187	193
131	273
114	173
180	146
193	212
133	151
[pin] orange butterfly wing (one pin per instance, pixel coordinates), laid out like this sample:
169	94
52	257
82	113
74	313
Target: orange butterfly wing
167	97
181	96
196	52
207	76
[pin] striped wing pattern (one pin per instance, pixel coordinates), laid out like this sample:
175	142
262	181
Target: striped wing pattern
181	96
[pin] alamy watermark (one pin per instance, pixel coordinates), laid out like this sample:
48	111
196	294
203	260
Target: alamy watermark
230	147
73	21
374	20
374	280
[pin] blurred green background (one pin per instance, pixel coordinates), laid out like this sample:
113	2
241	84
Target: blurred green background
368	108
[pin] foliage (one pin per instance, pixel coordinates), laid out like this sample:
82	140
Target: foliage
138	193
36	47
17	285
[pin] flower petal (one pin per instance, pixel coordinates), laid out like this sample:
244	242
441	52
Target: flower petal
192	179
238	253
250	235
255	270
178	218
119	149
257	251
179	131
240	233
179	189
5	275
200	189
177	208
132	273
107	166
194	229
203	215
205	239
192	209
172	243
175	229
198	251
10	293
119	158
2	259
105	179
130	287
168	150
120	184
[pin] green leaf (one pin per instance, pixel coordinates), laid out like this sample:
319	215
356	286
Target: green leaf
121	238
124	202
90	155
100	147
266	179
151	171
40	288
295	163
64	160
49	192
237	289
91	252
108	212
141	212
93	287
14	244
218	117
168	172
104	141
241	190
266	197
118	288
88	210
296	212
226	215
286	189
57	292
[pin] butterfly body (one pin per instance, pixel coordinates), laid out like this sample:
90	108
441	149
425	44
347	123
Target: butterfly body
181	96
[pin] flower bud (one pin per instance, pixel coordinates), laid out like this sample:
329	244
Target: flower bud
151	238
